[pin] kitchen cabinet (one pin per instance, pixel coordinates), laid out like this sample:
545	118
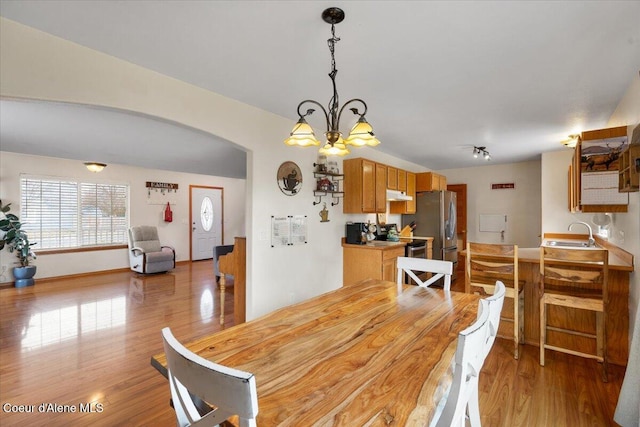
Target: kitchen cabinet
392	178
430	181
370	261
402	180
408	207
381	188
586	165
629	170
365	186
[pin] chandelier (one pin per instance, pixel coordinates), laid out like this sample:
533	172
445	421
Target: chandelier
361	134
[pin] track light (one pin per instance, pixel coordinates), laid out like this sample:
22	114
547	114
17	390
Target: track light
481	150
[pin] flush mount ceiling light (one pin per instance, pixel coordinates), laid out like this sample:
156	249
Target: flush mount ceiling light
477	151
95	166
361	134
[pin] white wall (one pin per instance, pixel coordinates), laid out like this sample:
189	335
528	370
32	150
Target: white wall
35	65
175	234
521	205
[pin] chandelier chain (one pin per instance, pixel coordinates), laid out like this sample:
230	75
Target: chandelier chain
334	102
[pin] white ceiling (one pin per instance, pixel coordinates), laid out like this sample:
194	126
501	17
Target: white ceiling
438	77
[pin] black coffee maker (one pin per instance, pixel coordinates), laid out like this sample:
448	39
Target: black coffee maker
355	232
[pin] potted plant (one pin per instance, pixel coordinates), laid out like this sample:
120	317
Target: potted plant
16	239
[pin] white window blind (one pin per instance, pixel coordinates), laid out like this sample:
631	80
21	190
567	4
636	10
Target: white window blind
69	214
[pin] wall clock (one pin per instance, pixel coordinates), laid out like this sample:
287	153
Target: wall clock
289	178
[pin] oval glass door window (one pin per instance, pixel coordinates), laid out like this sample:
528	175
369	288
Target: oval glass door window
206	214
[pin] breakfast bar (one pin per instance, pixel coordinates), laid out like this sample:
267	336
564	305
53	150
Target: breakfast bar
617	315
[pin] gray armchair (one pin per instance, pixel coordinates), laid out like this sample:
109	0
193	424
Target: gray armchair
146	255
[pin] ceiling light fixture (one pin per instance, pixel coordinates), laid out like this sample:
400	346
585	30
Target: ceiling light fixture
477	151
95	166
361	134
571	141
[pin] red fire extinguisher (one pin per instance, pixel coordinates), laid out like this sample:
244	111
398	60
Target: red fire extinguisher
168	215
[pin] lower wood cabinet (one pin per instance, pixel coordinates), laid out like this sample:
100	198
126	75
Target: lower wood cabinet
362	262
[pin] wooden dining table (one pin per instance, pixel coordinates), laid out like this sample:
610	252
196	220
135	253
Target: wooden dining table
364	354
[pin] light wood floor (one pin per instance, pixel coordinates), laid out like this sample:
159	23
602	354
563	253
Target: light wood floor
89	340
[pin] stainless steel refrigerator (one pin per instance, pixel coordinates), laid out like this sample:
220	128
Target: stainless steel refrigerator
436	217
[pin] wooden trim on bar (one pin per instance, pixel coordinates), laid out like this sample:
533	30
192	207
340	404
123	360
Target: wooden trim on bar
617	251
569	236
623	255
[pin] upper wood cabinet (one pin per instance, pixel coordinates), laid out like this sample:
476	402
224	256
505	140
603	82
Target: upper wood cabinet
591	170
365	186
402	180
408	207
381	188
430	181
629	170
392	178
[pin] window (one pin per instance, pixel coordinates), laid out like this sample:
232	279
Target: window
59	213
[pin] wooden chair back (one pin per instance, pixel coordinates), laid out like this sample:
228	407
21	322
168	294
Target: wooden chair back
439	269
487	263
230	391
469	359
581	273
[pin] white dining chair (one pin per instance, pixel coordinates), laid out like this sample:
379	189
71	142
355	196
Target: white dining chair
439	269
494	305
230	391
469	359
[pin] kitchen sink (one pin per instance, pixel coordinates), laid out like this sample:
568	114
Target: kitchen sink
568	244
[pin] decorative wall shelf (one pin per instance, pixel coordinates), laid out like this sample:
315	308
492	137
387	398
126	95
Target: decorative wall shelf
328	185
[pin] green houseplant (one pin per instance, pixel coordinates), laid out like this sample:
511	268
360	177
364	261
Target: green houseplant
17	240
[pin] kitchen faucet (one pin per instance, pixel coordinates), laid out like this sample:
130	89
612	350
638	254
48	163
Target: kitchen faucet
592	241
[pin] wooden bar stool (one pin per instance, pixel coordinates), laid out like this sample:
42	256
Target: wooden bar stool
576	279
487	263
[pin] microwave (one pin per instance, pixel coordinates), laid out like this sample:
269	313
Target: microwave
355	233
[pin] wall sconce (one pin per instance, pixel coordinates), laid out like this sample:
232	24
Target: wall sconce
477	151
95	166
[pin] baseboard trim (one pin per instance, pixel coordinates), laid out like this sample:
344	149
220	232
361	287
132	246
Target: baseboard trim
89	273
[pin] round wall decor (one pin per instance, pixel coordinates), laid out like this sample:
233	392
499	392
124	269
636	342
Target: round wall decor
289	178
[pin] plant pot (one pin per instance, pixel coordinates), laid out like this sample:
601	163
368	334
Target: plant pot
24	276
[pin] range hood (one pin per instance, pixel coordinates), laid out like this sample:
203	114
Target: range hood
397	196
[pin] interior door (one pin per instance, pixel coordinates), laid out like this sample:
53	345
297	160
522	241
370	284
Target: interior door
206	221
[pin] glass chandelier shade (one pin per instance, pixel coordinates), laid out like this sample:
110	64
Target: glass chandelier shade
362	134
337	148
302	135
